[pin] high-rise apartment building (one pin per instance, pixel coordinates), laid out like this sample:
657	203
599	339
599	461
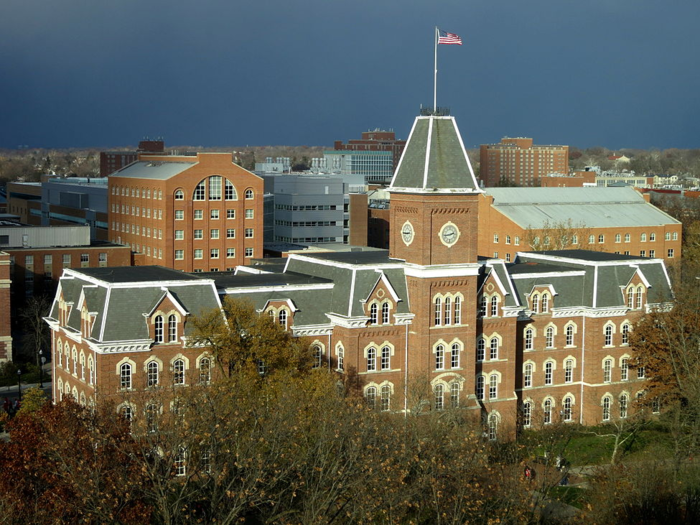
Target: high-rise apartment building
517	161
191	213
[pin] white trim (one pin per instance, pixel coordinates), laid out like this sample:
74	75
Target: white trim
427	152
276	288
567	273
348	321
442	270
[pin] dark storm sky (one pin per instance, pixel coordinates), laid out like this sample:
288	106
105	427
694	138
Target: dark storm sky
86	73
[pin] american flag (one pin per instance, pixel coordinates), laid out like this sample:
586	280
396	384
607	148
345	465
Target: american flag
449	38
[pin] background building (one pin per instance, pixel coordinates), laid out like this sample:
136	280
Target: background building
191	213
111	161
517	161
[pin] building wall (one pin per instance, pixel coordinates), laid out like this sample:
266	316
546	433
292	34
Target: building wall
499	237
5	325
157	234
521	163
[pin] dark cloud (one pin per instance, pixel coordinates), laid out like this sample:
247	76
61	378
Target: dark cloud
216	72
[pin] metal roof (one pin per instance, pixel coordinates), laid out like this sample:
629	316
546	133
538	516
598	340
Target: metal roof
156	170
589	207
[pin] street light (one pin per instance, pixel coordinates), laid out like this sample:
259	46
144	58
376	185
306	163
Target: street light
41	369
19	384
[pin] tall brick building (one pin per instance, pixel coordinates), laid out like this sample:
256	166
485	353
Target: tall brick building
195	214
424	325
518	161
5	324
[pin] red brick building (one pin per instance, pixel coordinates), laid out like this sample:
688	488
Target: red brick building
191	213
111	161
377	140
426	325
517	161
5	325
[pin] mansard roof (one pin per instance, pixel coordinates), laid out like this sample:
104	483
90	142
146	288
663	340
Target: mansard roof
121	298
434	160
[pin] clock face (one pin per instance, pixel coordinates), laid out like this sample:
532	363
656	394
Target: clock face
407	233
449	233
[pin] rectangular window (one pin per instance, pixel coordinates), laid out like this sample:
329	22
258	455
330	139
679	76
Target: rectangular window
624	370
249	252
652	237
84	257
198	214
198	254
215	188
249	233
249	214
179	255
230	214
47	259
66	260
670	253
230	233
179	215
568	371
230	252
548	373
179	235
214	214
198	234
214	253
215	234
652	253
601	238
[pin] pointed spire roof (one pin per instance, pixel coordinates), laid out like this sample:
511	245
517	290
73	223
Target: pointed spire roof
434	160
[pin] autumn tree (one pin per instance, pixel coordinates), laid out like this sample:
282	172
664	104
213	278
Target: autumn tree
557	235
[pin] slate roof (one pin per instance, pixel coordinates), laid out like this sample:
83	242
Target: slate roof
590	207
434	159
121	297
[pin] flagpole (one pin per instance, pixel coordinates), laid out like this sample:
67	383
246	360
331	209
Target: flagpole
435	79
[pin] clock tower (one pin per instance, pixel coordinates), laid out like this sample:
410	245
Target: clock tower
434	197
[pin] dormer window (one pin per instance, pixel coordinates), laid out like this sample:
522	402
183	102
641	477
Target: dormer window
283	318
172	329
158	322
385	313
373	313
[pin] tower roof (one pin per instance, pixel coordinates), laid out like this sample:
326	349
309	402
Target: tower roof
434	160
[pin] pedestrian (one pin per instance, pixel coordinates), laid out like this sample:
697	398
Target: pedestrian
528	473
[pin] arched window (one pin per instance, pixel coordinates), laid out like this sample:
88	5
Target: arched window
624	369
282	316
608	331
480	388
529	334
607	370
625	329
569	335
439	357
549	333
199	192
548	373
439	391
483	304
547	419
371	359
180	461
606	408
493	427
373	313
527	414
152	373
568	370
91	370
454	394
545	302
454	356
179	195
527	375
178	372
386	358
458	310
152	417
215	188
624	399
341	357
448	311
630	297
75	362
205	370
480	349
317	354
493	386
159	328
82	366
371	397
172	329
59	354
385	394
640	296
494	306
249	194
125	376
230	191
438	311
567	412
385	313
535	303
494	348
